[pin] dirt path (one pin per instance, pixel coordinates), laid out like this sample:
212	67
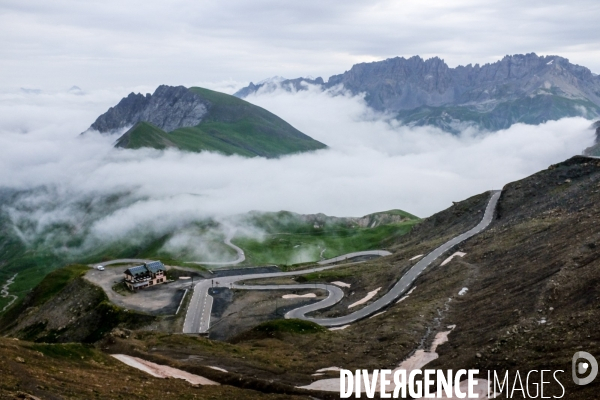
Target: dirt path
241	257
4	292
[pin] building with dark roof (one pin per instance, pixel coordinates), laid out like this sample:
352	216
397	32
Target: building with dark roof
147	274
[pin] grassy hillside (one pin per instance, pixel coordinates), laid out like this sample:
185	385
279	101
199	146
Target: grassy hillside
292	238
144	134
285	238
232	126
529	110
64	307
313	245
27	264
76	371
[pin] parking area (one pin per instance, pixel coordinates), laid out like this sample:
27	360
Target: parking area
157	300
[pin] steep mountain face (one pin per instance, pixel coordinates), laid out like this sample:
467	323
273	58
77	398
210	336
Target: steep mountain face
198	119
168	108
519	88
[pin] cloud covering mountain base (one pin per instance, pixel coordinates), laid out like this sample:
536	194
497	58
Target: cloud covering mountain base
373	164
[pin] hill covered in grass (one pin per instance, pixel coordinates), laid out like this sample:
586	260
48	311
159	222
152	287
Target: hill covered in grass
198	119
289	238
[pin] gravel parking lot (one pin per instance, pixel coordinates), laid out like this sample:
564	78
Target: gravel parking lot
157	300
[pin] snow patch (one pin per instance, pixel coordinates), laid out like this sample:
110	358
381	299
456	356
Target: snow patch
407	294
457	254
341	284
328	369
379	313
162	371
296	296
463	291
339	328
368	297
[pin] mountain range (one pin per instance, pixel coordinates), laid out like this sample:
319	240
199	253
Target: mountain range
519	88
197	119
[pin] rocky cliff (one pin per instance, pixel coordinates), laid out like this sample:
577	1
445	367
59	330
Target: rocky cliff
519	88
169	108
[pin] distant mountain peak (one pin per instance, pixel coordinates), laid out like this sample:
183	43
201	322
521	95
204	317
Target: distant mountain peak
523	88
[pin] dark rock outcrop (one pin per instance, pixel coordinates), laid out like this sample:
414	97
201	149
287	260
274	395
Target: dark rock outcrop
169	108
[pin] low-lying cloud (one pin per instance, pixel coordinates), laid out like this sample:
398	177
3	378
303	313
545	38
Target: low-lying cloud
373	164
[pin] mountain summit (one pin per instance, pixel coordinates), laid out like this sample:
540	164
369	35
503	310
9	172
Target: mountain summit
198	119
526	88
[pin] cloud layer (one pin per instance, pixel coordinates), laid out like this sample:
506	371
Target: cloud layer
372	165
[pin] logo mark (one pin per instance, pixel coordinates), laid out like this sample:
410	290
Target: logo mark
582	367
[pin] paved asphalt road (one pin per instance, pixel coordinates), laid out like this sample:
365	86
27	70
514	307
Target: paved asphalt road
380	253
197	319
405	282
199	322
241	257
122	261
198	314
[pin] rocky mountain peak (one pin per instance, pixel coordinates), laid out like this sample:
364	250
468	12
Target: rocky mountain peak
169	108
525	88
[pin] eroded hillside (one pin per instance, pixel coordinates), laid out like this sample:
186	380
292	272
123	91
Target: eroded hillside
532	299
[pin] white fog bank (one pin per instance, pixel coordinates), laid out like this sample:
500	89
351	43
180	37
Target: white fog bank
371	165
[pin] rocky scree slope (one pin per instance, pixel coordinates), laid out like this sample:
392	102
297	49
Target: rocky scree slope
198	119
526	88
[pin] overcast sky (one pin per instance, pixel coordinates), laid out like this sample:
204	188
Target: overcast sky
52	45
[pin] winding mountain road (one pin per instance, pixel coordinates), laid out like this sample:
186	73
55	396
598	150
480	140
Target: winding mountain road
241	257
198	315
380	253
122	261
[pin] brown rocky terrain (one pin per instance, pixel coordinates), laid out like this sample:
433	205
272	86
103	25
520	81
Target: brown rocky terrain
533	300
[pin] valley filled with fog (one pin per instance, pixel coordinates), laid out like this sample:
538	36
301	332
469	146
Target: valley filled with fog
372	164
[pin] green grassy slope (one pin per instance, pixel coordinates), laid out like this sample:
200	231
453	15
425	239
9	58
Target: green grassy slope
285	238
232	126
292	238
294	248
28	264
530	110
144	134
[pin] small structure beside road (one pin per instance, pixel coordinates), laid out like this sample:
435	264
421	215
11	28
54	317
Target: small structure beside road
147	274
